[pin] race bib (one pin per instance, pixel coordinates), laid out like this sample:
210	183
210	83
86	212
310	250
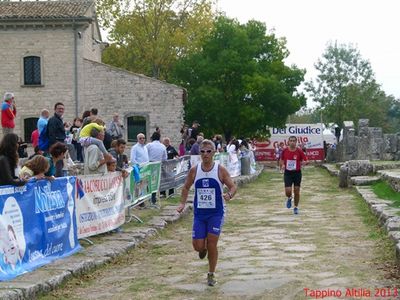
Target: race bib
291	165
206	198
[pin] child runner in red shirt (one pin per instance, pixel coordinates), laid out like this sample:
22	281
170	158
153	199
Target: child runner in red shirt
292	159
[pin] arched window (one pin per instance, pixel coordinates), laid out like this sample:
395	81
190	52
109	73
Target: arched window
29	126
136	125
32	70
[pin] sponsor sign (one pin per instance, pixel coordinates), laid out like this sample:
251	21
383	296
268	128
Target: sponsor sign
308	135
37	225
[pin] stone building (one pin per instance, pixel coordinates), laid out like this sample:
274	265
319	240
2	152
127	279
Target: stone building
50	51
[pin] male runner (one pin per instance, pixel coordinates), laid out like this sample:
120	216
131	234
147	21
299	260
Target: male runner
209	205
292	159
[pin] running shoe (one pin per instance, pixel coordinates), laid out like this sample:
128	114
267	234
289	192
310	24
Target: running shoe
202	254
296	211
211	279
289	202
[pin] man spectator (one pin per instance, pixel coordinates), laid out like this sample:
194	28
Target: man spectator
8	113
194	130
195	150
55	125
171	154
115	128
157	152
95	162
118	153
139	153
43	119
92	116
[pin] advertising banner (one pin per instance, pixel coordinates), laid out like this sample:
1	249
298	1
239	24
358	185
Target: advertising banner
174	172
37	225
309	136
100	205
149	182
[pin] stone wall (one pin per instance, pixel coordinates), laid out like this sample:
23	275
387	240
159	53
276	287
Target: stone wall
98	85
129	94
370	143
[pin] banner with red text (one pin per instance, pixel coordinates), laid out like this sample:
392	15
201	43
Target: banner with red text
308	135
100	205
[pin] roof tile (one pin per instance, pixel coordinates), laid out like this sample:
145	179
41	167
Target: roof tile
43	9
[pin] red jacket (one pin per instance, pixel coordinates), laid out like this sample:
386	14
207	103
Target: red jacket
8	113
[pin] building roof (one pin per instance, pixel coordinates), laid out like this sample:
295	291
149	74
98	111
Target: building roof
40	10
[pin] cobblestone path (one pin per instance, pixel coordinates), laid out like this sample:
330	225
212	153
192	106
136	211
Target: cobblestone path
266	252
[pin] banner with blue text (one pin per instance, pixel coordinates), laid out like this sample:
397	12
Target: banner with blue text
37	225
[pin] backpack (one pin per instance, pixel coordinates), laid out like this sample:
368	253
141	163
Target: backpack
44	139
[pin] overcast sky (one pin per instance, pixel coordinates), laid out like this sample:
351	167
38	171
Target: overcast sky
372	26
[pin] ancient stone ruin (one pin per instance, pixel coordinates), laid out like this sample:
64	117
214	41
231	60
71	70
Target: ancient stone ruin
370	144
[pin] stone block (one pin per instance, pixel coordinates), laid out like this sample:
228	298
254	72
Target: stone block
363	123
377	209
393	224
390	144
387	214
359	167
395	235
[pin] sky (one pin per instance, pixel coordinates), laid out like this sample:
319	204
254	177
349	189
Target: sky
371	26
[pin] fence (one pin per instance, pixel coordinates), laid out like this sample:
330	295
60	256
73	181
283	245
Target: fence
43	220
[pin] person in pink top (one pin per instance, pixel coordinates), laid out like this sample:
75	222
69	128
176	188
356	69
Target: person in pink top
291	161
35	138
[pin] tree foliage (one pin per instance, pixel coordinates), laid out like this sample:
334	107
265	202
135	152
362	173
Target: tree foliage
148	36
238	83
346	89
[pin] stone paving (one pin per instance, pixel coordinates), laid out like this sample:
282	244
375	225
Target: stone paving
266	252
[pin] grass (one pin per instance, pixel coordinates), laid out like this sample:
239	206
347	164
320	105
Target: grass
384	191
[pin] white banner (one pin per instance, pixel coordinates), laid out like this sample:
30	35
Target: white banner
100	208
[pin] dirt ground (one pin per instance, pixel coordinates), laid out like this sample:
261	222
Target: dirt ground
333	248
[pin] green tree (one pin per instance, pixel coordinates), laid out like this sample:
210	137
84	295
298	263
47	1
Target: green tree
149	36
238	83
346	89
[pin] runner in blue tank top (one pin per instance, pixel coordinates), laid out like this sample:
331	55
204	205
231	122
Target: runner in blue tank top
209	204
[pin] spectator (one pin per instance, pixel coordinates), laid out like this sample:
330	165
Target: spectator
111	166
75	128
117	151
95	163
35	138
43	119
194	130
139	153
22	148
195	150
115	128
89	118
171	154
86	139
157	152
35	167
55	125
37	151
9	160
8	113
57	154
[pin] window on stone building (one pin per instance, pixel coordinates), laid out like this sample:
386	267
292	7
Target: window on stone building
30	124
32	70
136	125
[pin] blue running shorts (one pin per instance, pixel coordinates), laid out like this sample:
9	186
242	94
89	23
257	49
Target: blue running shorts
203	225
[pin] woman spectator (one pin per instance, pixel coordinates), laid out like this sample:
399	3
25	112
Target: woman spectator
35	167
9	160
75	128
57	152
